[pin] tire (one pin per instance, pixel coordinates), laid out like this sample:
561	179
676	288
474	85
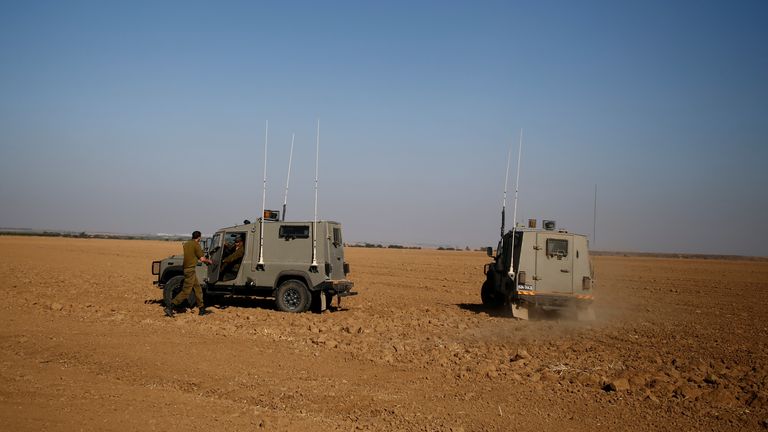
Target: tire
292	296
491	298
173	287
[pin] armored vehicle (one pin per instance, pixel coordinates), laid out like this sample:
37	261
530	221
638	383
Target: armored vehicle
300	264
540	269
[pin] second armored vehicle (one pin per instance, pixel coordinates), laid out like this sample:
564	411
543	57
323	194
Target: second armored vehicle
540	269
300	264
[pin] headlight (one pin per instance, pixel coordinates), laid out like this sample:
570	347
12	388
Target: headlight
155	267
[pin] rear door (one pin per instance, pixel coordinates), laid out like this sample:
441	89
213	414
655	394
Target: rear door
336	252
554	263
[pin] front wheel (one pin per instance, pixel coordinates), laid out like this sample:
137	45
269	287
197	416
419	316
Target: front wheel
173	287
292	296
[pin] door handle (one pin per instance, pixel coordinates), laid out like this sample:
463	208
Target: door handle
565	270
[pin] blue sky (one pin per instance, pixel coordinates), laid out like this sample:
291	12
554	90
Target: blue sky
149	117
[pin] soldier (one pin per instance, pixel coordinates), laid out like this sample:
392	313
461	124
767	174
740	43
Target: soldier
192	254
231	264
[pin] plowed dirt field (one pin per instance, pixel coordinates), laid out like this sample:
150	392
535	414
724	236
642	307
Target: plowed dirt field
85	346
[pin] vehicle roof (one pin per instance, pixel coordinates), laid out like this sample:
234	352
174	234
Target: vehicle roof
246	227
542	230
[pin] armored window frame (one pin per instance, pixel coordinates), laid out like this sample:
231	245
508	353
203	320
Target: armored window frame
336	236
557	247
232	236
293	231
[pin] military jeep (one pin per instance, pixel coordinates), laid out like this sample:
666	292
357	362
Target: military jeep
299	264
540	270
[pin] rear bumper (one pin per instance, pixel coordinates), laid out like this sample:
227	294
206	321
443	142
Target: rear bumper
554	301
341	288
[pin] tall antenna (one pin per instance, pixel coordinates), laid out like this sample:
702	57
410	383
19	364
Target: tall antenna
506	180
514	213
594	220
288	179
263	200
314	221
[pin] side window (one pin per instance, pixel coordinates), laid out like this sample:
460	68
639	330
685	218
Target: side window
231	237
336	236
214	243
289	232
557	247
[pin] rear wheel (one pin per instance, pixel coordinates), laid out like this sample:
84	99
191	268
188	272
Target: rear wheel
292	296
173	287
491	298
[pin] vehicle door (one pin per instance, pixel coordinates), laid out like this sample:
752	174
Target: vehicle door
215	251
336	252
229	267
554	263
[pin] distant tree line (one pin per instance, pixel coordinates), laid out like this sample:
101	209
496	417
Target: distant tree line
398	246
381	246
88	235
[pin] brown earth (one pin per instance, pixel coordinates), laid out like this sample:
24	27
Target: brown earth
679	344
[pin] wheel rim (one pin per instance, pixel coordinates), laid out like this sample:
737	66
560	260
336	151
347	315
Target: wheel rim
292	298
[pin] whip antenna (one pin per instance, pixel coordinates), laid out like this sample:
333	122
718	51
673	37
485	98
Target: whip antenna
263	200
504	200
314	221
514	212
288	179
594	220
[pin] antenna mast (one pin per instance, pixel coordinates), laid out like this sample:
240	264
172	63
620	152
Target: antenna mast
288	179
506	181
514	212
594	220
263	200
314	221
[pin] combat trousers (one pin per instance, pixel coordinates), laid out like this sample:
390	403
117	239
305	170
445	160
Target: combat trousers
190	283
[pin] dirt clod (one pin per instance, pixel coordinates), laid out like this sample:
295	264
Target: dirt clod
618	385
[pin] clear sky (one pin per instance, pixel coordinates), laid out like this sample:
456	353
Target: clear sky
146	117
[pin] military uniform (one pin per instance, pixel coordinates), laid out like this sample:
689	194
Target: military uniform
231	264
234	259
192	253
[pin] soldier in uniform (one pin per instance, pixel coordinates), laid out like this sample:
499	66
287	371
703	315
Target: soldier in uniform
231	264
192	254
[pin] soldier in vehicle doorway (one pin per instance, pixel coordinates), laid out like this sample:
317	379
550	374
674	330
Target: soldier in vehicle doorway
231	264
192	254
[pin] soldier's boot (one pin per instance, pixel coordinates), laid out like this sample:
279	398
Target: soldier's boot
203	311
168	311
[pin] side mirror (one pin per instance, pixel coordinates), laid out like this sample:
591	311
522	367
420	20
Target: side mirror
489	251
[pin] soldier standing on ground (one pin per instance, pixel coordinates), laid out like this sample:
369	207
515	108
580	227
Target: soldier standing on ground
192	254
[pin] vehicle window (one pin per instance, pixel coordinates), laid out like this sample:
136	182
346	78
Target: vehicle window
337	236
294	231
215	241
557	247
231	237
